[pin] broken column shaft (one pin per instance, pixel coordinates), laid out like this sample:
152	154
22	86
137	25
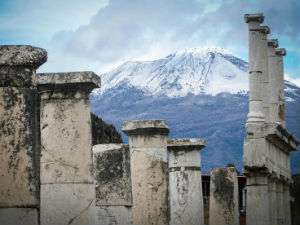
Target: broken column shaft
186	200
19	189
67	185
113	184
223	199
255	68
149	170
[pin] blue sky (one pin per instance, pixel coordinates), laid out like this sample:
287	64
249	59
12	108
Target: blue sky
100	34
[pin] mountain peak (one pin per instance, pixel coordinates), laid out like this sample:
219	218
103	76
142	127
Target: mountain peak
207	70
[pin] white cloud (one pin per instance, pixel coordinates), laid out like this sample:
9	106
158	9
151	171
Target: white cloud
293	80
147	30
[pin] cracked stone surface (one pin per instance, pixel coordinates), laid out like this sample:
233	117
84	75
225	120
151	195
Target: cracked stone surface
68	204
223	199
66	154
16	216
18	153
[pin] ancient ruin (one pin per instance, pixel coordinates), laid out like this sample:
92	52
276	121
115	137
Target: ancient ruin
268	143
51	173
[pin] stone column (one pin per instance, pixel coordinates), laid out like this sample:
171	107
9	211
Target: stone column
255	68
286	204
223	199
279	54
185	185
273	81
257	203
272	201
149	170
280	205
67	184
113	184
264	31
19	189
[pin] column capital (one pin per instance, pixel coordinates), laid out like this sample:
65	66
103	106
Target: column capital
67	85
280	52
18	64
258	17
186	144
264	29
145	127
273	43
22	55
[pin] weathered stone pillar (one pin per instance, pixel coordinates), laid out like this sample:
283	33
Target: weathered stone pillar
280	76
149	170
185	185
257	203
113	184
67	184
272	200
223	199
19	189
273	81
264	31
286	204
255	68
280	205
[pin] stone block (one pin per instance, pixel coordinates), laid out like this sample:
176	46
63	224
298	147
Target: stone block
19	216
114	215
66	152
223	196
149	189
68	204
112	174
186	201
255	153
18	153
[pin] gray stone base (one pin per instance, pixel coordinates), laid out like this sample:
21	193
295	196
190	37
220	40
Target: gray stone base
18	216
114	215
63	204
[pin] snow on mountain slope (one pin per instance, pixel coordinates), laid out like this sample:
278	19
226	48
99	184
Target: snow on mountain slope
197	71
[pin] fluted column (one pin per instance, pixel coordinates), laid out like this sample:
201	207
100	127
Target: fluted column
256	54
186	199
19	169
286	203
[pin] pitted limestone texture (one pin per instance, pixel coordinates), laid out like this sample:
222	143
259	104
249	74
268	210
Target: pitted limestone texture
150	189
149	170
112	175
19	216
186	201
185	186
22	55
71	204
66	154
114	215
67	85
223	196
18	64
18	153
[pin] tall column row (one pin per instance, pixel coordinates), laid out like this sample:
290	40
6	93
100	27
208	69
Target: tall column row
268	143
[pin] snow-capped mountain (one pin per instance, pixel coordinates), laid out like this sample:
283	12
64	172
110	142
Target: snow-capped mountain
193	71
200	92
